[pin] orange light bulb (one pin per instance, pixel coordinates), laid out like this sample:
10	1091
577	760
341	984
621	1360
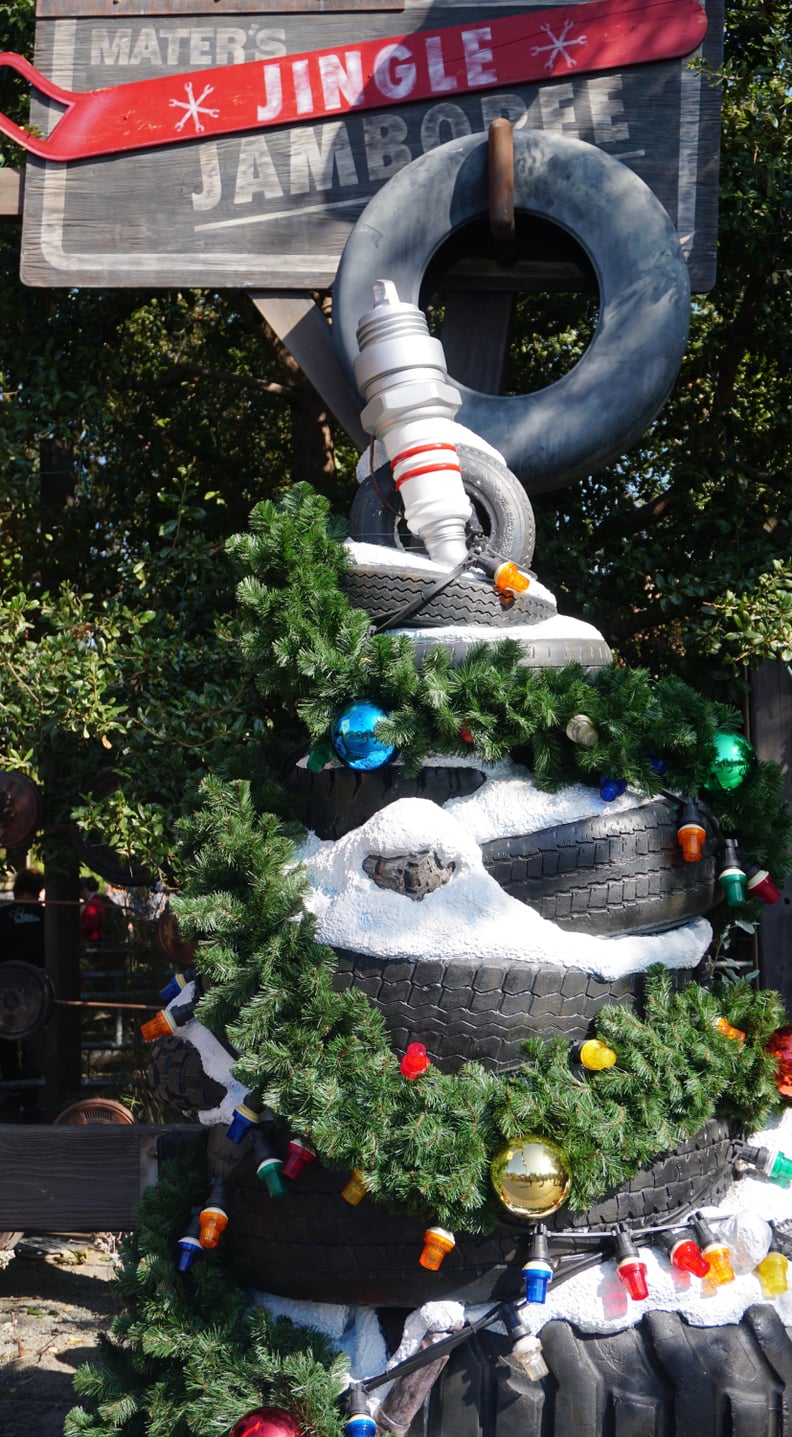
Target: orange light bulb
508	579
160	1027
356	1188
724	1026
438	1242
212	1224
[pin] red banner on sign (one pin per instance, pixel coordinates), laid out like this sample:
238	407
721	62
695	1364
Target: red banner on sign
321	84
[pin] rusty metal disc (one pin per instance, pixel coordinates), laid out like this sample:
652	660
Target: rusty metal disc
94	1110
25	999
21	810
180	952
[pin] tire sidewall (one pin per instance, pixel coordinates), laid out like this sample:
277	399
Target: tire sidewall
376	515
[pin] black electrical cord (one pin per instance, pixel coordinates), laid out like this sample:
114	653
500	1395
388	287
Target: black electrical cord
579	1262
430	1354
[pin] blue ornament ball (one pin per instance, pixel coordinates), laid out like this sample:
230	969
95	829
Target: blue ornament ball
354	739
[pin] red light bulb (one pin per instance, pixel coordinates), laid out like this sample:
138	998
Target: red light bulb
298	1157
415	1062
633	1274
631	1270
761	885
688	1258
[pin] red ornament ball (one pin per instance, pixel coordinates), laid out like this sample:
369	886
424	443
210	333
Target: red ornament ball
780	1045
267	1422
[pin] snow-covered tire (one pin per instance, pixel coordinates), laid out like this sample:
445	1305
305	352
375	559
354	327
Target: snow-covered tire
617	872
550	651
502	508
470	598
606	402
176	1074
336	800
314	1246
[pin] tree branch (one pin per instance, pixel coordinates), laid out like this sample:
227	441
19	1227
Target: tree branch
180	373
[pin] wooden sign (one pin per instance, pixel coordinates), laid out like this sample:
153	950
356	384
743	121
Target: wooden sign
238	149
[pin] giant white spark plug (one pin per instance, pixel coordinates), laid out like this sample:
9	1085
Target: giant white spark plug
410	405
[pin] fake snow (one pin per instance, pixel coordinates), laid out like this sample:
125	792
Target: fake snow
471	917
216	1061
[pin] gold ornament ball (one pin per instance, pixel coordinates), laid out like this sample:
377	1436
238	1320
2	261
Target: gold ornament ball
531	1176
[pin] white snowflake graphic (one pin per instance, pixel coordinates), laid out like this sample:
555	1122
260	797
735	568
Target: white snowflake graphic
559	46
193	109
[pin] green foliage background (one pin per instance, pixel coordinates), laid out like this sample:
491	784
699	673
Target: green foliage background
116	597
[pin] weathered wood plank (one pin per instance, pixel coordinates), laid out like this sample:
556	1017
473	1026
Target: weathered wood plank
299	322
11	190
76	1179
771	735
274	209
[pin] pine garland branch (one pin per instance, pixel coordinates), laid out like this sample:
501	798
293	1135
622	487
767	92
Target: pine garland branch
322	1061
311	652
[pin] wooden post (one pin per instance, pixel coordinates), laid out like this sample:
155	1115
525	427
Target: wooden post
770	732
62	961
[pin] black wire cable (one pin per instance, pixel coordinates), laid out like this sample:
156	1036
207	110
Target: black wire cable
437	1349
579	1263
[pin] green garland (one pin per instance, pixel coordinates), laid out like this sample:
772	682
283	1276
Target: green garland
321	1059
312	654
323	1062
190	1355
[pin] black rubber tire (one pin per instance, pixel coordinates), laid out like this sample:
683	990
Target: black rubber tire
606	402
484	1010
548	652
336	800
470	598
312	1245
176	1074
620	872
662	1378
503	509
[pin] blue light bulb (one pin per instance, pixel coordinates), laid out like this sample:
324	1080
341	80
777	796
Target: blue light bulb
189	1248
538	1275
360	1426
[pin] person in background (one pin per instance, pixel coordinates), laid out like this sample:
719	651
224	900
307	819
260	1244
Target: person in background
93	913
22	938
22	920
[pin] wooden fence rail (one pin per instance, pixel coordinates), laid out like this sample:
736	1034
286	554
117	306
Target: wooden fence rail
81	1179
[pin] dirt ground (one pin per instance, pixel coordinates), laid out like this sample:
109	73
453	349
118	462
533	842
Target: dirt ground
55	1299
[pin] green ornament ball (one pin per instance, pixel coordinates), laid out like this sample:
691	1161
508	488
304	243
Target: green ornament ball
733	765
531	1176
